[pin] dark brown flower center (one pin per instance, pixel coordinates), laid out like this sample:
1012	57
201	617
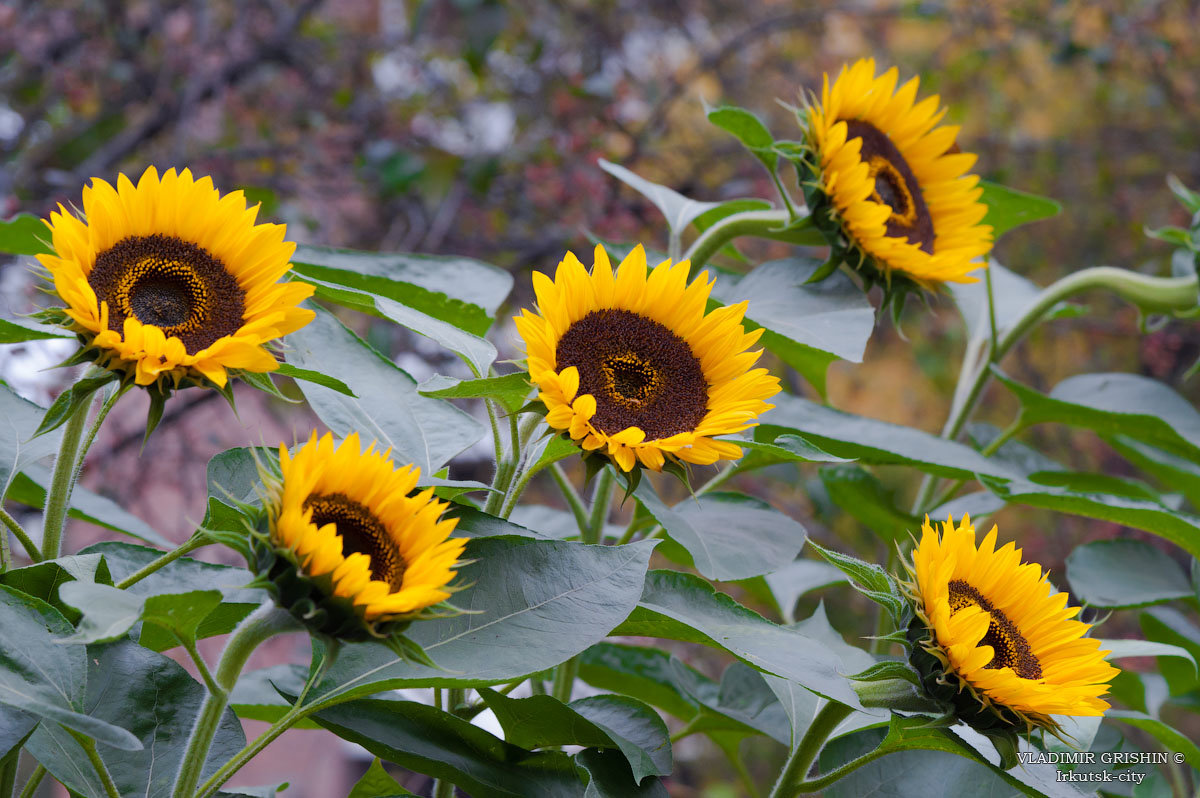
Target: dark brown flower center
361	533
895	185
641	373
1010	646
171	284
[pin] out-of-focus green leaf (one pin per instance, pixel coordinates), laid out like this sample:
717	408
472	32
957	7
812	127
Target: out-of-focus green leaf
1172	739
645	673
1174	471
308	375
749	130
19	447
15	331
863	496
730	536
1009	208
24	234
376	783
458	290
792	581
28	488
1125	573
1169	625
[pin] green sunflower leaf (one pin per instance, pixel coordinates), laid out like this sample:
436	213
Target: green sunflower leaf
874	442
1189	199
531	605
377	783
678	209
1169	625
510	390
156	699
1130	405
42	580
863	496
20	446
24	234
749	130
730	536
796	579
386	406
45	677
1180	528
108	613
1172	739
1009	208
15	331
680	606
1125	573
308	375
609	776
458	290
427	740
648	674
602	721
70	400
869	579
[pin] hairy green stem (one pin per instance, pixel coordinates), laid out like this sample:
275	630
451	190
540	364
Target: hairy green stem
189	645
20	534
601	500
720	478
762	224
739	767
805	753
199	539
296	713
564	679
1153	294
821	782
95	428
520	478
89	748
35	781
574	501
58	498
262	624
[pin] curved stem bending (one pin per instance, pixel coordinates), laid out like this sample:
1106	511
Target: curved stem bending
805	753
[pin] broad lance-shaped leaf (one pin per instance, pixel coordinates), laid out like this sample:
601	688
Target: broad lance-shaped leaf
1115	404
1180	528
510	391
609	776
832	316
680	606
1172	739
388	409
1125	573
108	613
1120	649
876	442
44	677
427	740
531	605
792	581
15	331
478	353
158	701
19	420
603	721
730	536
462	291
678	209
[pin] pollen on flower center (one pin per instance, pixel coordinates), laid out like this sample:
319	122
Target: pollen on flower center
1011	648
361	532
171	284
894	184
640	372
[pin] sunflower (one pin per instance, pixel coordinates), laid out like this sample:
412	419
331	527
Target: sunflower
351	548
168	283
995	636
893	182
631	365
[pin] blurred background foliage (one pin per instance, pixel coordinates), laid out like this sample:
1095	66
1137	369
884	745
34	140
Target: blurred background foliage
473	127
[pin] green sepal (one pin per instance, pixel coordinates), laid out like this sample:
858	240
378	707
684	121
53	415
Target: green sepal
888	669
827	268
158	403
533	406
410	651
1006	745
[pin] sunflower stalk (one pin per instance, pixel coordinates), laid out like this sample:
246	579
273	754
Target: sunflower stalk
601	500
89	748
572	497
1151	294
762	224
62	483
199	539
35	781
264	623
519	478
805	752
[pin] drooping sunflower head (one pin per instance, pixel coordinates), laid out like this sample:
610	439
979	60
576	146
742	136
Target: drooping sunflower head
167	283
889	184
351	548
628	363
993	636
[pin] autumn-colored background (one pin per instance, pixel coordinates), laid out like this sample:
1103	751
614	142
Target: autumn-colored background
473	127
